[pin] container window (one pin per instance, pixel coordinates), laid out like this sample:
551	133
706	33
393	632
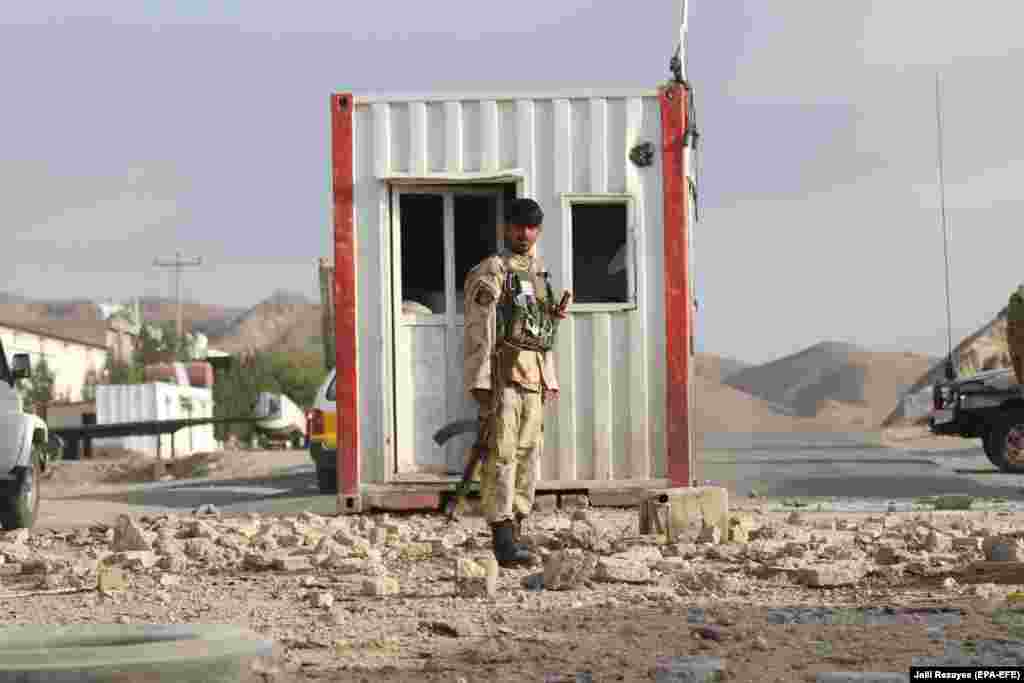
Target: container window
601	258
422	246
331	395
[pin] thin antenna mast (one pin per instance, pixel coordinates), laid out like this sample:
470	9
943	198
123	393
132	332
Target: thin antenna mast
950	366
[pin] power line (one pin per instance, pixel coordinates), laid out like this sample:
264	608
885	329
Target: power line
178	264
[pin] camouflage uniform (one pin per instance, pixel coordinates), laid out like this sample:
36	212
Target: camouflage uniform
1015	332
516	379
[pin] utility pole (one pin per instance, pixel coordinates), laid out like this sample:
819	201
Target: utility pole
178	264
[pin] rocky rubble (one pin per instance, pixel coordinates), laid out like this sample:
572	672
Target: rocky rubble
348	572
578	549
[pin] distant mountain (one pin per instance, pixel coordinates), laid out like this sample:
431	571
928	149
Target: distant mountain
285	321
833	378
717	368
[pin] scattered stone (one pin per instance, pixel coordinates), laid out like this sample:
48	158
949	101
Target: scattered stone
646	554
416	551
972	543
949	583
15	536
111	579
739	529
292	563
710	534
708	632
886	555
821	576
172	563
935	542
134	559
476	579
567	569
614	570
379	536
201	529
129	535
671	564
689	669
323	599
199	548
795	519
380	586
168	580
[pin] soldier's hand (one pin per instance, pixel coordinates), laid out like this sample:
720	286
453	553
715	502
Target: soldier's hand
482	396
550	395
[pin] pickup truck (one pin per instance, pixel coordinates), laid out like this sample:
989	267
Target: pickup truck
988	406
23	447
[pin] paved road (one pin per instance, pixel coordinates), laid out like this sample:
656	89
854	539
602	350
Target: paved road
853	471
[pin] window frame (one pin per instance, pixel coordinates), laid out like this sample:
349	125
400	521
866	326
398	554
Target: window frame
570	199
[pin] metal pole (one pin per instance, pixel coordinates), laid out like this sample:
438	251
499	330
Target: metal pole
178	264
942	218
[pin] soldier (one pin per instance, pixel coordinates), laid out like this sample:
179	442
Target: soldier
511	320
1015	332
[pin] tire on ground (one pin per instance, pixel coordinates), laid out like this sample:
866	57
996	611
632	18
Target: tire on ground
998	441
20	504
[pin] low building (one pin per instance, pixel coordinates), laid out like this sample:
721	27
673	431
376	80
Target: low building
71	355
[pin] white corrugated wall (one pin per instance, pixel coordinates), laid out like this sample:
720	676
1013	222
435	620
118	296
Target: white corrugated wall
156	401
609	422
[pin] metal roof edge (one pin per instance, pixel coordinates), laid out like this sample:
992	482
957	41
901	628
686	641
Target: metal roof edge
42	332
567	94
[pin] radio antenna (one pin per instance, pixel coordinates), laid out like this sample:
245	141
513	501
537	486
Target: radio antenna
950	365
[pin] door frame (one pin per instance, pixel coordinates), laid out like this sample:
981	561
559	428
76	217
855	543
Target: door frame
398	384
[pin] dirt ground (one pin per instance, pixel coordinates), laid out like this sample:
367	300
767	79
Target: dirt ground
717	601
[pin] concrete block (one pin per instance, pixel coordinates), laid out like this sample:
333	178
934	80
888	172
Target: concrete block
683	510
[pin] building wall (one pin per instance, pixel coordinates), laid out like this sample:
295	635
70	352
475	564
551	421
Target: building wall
609	421
70	361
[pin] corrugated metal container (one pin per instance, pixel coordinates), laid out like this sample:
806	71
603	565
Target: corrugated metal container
563	150
117	403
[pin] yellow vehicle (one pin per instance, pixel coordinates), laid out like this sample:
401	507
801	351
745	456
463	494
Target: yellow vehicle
322	436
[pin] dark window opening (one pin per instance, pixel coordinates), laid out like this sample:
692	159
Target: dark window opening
600	261
476	237
422	247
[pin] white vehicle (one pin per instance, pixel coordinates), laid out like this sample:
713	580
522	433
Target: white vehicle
23	447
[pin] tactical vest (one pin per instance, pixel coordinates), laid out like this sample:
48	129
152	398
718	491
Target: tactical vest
526	321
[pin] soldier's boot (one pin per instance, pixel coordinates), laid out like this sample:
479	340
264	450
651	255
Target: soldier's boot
506	552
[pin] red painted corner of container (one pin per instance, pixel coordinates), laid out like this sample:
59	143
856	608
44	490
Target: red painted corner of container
678	322
346	328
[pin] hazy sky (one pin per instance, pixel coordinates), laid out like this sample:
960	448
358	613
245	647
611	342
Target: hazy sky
142	127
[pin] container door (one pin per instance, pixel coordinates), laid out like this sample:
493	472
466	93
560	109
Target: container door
438	236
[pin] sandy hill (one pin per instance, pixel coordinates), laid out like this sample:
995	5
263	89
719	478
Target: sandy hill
835	382
284	322
717	368
721	408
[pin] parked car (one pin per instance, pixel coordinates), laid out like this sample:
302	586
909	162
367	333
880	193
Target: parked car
987	406
23	447
322	436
